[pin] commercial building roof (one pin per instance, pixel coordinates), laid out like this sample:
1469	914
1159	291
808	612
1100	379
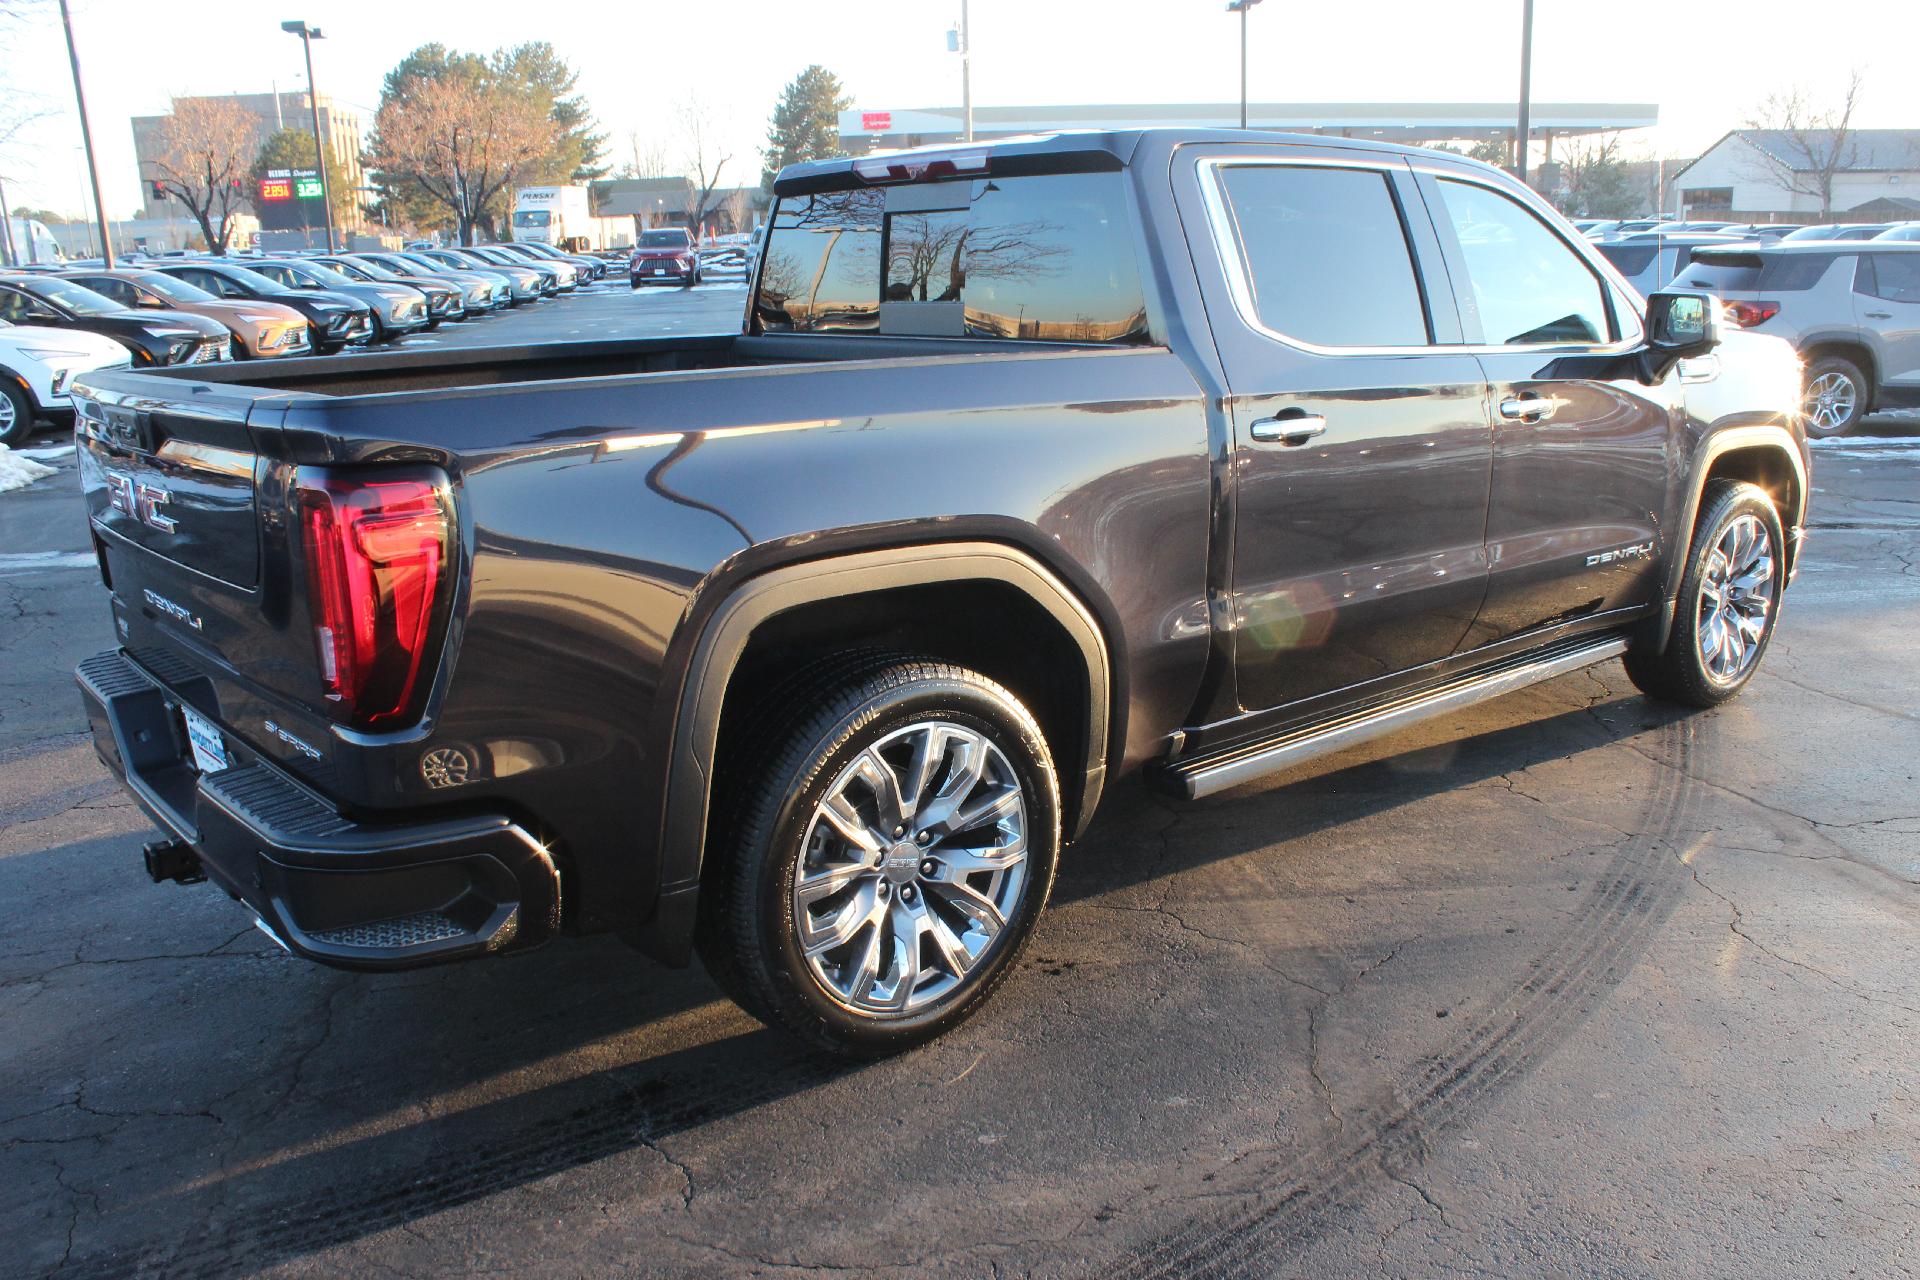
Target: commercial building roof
869	128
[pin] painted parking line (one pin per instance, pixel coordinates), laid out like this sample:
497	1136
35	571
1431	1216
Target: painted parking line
14	563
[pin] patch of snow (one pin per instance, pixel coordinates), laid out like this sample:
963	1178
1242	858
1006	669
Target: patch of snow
17	472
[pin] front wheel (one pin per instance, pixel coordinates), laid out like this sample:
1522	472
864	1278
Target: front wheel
893	853
1729	601
16	414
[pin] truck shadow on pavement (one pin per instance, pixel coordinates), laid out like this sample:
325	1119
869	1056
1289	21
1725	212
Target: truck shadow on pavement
415	1093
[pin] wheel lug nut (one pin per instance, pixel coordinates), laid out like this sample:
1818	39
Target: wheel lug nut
924	836
906	892
926	867
898	832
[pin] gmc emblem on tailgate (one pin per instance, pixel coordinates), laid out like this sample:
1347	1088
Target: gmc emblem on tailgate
140	500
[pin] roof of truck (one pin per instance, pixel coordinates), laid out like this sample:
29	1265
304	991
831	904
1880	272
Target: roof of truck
1069	151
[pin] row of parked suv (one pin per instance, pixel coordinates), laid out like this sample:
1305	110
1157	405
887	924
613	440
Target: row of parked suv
1846	295
198	309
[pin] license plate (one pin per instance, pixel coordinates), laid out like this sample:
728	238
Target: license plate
659	271
209	750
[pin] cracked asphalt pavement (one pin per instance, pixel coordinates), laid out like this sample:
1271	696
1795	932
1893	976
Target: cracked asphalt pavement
1569	984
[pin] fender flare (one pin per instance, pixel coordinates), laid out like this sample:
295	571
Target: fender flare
1719	443
687	793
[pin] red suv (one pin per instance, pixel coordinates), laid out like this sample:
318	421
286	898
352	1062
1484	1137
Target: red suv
662	255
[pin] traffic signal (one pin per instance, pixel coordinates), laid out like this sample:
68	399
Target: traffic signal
159	190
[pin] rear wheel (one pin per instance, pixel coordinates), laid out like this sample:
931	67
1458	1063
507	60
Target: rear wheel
16	414
1835	398
894	850
1729	601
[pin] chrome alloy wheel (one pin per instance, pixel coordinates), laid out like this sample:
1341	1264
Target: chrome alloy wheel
1736	599
913	863
1829	401
7	416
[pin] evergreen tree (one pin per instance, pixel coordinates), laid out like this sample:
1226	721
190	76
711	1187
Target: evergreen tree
806	122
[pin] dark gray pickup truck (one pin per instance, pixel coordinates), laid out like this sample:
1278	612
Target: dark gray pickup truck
1036	464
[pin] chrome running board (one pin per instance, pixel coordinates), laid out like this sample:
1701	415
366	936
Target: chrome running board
1229	767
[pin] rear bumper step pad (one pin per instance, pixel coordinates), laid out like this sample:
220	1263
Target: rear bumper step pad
351	894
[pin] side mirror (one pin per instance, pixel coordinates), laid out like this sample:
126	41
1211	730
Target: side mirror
150	302
1679	327
42	315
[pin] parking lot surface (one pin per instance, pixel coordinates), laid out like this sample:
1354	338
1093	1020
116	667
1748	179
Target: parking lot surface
1568	984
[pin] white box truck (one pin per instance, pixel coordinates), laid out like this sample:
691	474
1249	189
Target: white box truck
562	217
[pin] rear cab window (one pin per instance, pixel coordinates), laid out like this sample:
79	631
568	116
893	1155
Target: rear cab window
1038	257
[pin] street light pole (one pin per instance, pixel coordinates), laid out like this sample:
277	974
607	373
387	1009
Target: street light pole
1241	7
1526	86
307	36
966	74
959	41
86	135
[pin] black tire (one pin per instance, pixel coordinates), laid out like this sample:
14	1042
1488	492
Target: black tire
1860	393
16	415
747	935
1680	673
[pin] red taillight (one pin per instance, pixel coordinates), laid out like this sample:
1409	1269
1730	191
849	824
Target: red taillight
376	562
1749	314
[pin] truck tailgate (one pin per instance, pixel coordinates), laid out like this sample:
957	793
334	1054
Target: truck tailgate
175	479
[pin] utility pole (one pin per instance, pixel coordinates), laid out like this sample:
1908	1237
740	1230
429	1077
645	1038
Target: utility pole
7	256
1526	88
1240	7
86	135
307	36
959	41
966	73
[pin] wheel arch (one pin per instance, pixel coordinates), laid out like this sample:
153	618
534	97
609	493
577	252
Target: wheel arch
1764	454
758	604
1848	346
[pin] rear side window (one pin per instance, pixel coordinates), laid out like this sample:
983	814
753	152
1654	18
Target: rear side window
1526	283
1893	276
1629	259
1325	255
1044	257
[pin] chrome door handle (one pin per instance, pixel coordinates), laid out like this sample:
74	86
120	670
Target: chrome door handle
1879	315
1530	408
1288	431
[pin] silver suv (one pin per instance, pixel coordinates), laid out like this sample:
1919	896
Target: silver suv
1851	308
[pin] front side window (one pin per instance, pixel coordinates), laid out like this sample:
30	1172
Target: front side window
1526	284
1325	254
80	301
108	287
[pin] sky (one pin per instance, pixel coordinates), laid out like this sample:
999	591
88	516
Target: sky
1705	65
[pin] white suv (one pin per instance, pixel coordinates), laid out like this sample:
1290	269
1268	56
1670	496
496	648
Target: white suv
37	364
1851	308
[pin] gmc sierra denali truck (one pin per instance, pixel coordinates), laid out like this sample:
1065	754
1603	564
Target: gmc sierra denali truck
808	648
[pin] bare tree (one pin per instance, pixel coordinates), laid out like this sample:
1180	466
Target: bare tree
1593	180
463	142
704	159
203	156
734	210
1815	143
647	159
